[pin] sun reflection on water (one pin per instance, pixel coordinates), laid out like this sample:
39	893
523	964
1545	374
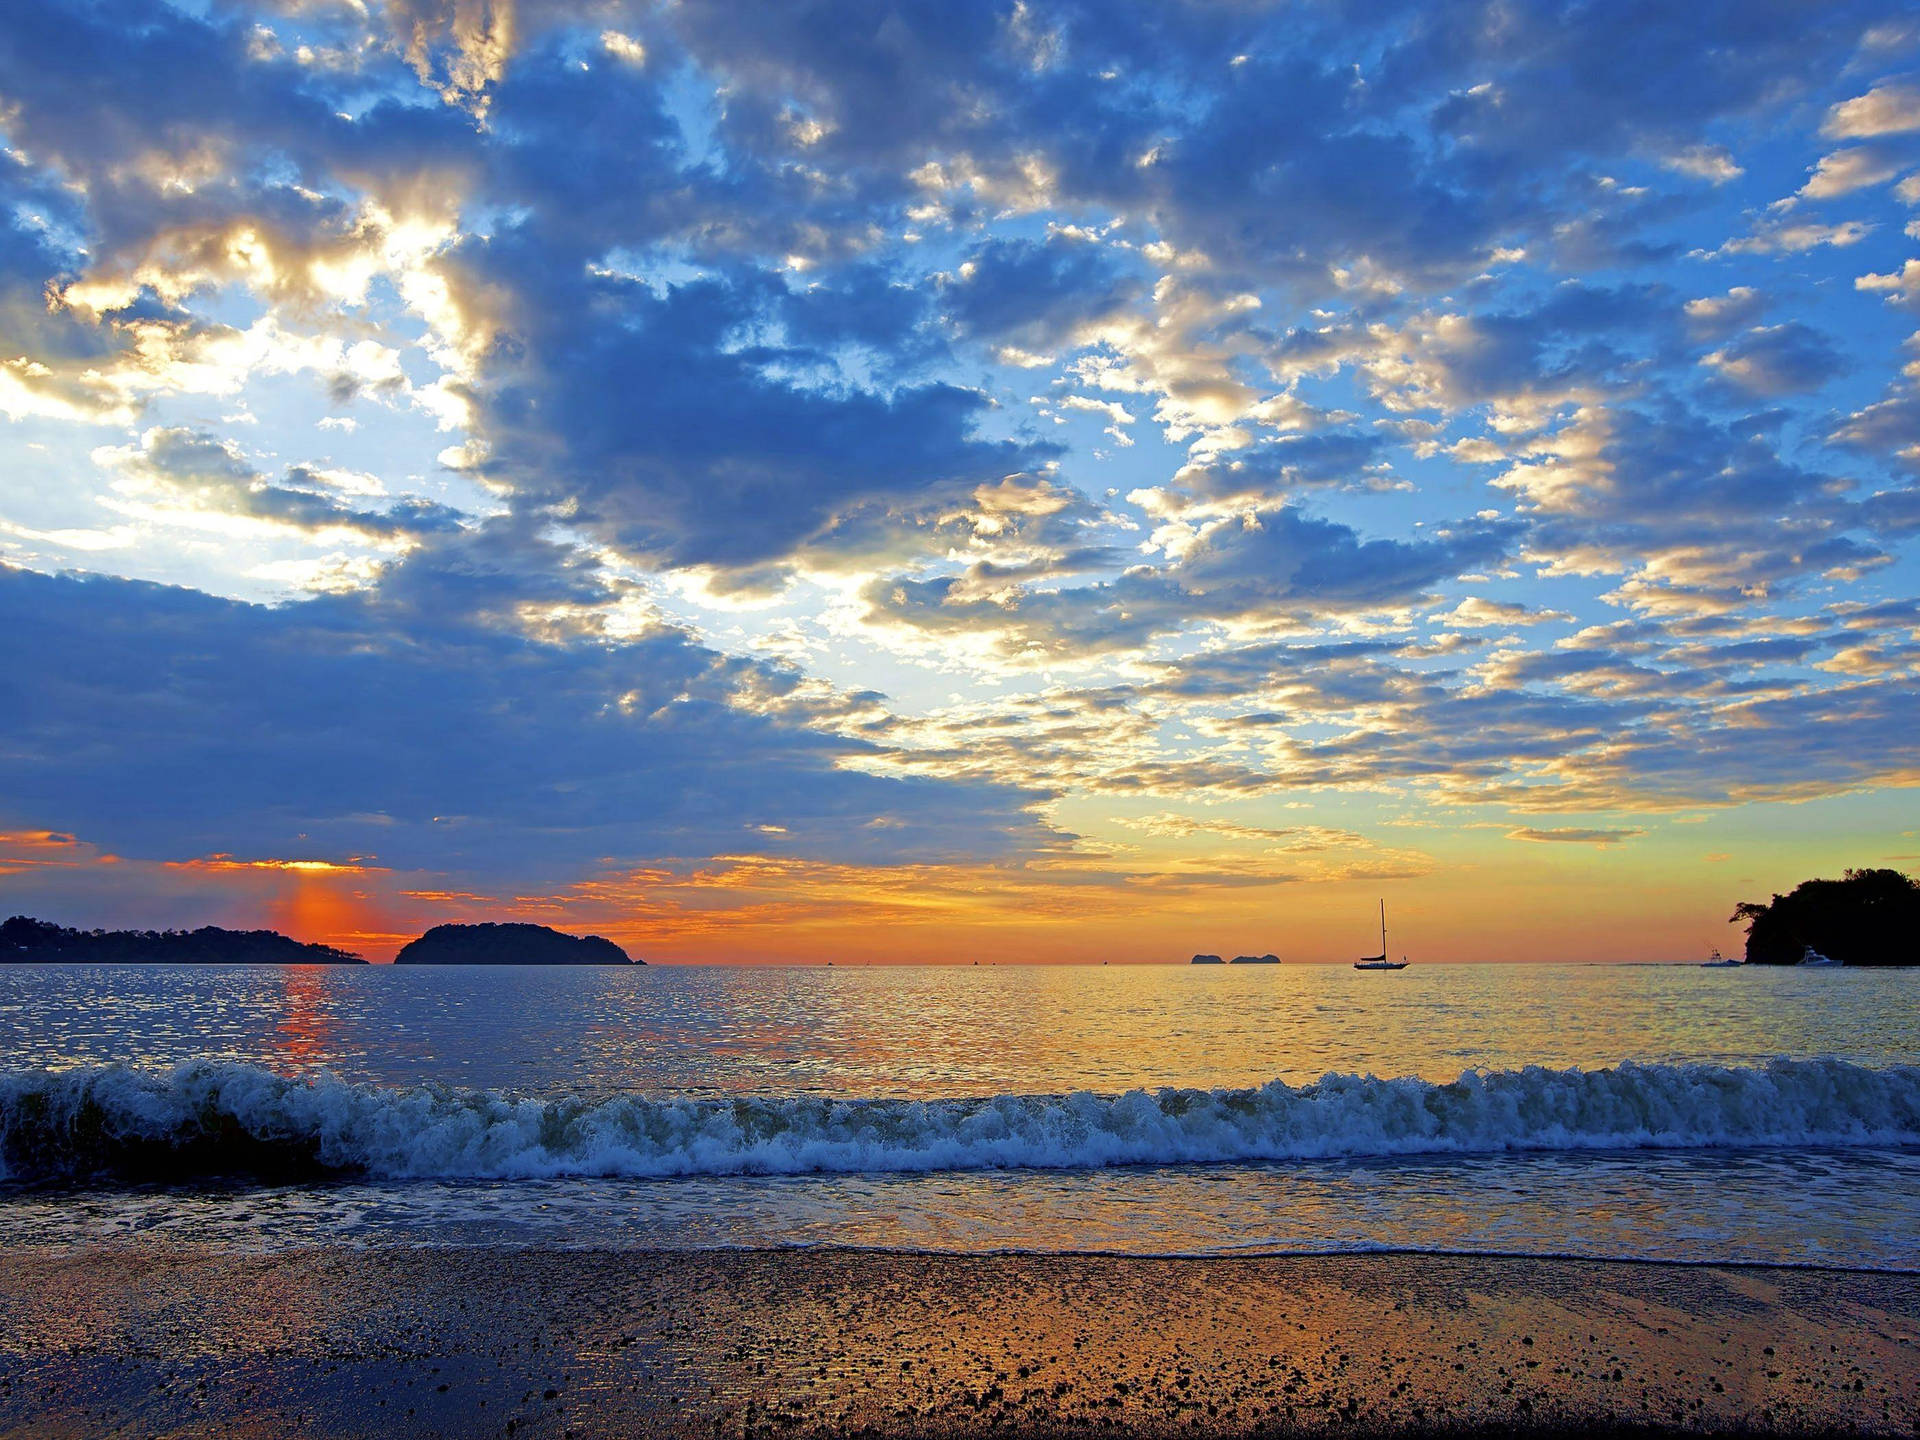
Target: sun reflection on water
938	1031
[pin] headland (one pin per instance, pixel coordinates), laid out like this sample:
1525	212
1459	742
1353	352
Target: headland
510	944
27	941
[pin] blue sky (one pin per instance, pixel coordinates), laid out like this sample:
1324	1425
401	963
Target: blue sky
718	472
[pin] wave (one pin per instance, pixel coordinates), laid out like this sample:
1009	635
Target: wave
208	1118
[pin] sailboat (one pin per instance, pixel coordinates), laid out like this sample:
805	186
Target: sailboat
1380	961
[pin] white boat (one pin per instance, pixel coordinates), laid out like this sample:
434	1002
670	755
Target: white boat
1380	961
1813	959
1717	961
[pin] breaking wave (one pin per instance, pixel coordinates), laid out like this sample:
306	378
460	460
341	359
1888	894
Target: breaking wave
209	1118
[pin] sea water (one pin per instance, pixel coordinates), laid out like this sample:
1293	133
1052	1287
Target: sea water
1659	1112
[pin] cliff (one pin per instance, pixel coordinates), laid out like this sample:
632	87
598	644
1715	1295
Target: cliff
510	944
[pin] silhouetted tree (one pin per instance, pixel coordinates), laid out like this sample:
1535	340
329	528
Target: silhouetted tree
1871	917
30	941
510	943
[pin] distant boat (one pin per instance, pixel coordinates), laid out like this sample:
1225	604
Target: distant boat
1812	959
1380	961
1717	961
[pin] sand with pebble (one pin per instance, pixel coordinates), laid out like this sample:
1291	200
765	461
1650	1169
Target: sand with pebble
554	1342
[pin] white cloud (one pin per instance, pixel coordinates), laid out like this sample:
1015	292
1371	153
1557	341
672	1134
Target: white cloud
1883	110
1116	413
1475	613
1845	171
1901	287
1712	163
1793	239
623	47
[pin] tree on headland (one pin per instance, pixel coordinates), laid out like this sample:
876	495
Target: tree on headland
510	943
29	941
1871	917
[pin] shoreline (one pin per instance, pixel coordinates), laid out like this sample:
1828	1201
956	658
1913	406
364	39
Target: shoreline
531	1341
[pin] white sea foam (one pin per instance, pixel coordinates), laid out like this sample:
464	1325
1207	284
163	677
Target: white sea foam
207	1116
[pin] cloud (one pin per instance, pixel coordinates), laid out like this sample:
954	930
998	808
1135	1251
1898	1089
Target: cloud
1477	613
1888	109
636	412
1901	287
1845	171
1039	295
1888	428
1527	360
1713	317
449	719
1712	163
1258	177
1184	827
1793	237
1116	414
1776	360
1278	470
1702	515
177	473
1571	836
458	47
1262	565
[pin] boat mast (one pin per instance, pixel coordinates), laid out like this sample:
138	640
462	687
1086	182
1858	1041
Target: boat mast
1383	928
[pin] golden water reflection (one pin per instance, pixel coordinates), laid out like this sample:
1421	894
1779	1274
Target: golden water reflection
305	1032
941	1031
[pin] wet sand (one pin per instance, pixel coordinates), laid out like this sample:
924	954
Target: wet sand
152	1341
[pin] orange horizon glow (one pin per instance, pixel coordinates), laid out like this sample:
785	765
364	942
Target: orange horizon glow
763	909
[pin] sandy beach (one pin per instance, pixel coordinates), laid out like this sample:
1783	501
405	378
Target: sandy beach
456	1342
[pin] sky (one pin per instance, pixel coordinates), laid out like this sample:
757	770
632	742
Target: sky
887	482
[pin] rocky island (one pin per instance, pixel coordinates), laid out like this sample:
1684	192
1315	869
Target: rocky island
26	941
1268	959
510	944
1870	917
1207	960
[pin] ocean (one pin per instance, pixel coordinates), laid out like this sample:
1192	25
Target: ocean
1659	1112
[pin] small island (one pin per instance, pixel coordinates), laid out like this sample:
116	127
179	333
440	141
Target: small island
1268	959
510	944
1207	960
1871	917
26	941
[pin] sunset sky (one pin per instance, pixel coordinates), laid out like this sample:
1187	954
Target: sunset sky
959	481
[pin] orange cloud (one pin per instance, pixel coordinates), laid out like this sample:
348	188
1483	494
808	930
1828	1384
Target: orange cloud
25	850
221	861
